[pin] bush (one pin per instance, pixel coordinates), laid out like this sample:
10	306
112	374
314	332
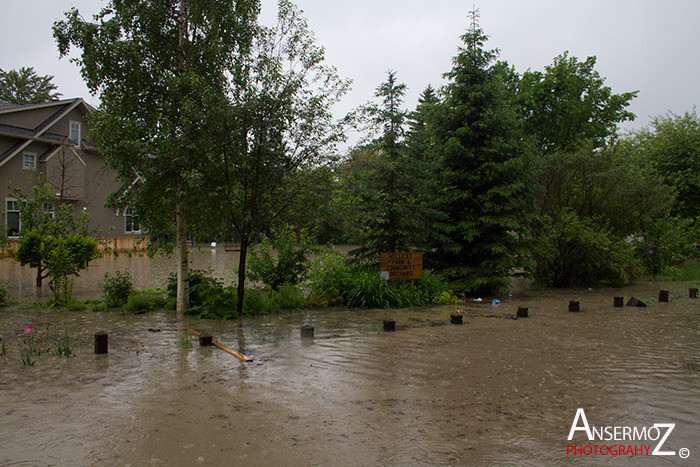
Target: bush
329	277
116	290
288	266
287	297
5	298
202	285
149	299
663	243
218	303
577	252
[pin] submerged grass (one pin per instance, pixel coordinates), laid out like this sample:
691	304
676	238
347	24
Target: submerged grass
688	270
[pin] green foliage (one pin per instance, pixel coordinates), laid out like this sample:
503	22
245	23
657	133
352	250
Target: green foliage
328	276
568	105
157	67
67	256
281	259
390	183
483	181
662	243
54	241
24	86
149	299
672	145
116	290
573	251
275	123
5	297
221	302
202	285
287	297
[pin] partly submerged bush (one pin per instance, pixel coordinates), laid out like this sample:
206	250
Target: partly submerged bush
201	286
149	299
576	251
281	259
328	277
116	290
287	297
664	243
5	298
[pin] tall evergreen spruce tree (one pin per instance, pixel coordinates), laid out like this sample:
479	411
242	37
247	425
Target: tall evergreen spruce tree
483	172
384	193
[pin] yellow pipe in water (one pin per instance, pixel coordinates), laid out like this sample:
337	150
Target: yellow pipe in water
225	348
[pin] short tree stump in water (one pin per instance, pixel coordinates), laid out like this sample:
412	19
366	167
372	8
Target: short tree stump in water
205	340
522	312
101	342
307	331
619	302
663	296
456	318
389	325
574	305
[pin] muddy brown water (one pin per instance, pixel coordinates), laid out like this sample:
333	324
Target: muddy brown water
489	392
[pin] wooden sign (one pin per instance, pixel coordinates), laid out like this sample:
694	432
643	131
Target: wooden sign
406	266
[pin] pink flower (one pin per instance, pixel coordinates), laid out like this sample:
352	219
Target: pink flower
29	329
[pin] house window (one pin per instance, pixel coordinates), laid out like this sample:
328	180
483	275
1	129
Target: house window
49	207
131	223
75	133
29	161
12	222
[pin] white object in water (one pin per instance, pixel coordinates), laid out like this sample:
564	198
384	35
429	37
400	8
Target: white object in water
213	244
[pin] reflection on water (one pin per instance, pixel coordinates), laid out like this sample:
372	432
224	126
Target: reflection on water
489	392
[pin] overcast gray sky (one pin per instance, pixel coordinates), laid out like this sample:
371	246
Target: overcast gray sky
643	45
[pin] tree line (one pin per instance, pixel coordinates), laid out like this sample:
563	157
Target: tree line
228	125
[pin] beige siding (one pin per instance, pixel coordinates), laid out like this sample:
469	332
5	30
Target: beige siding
66	174
62	127
87	186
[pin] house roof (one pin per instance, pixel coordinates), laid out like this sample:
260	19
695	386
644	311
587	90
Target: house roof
7	105
40	133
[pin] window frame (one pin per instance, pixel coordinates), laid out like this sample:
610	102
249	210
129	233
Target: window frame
17	209
70	132
24	161
131	220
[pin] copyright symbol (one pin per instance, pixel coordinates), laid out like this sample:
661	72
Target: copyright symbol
683	453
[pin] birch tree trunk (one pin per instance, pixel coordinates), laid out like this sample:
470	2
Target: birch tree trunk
183	267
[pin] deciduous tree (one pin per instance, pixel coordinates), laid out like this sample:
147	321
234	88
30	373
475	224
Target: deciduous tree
153	65
272	125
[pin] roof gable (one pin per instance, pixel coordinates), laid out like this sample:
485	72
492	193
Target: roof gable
40	132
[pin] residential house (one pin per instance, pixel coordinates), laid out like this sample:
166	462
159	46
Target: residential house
50	139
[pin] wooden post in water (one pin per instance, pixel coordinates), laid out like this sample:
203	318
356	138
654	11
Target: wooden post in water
663	296
389	325
574	305
522	312
456	318
205	340
101	342
693	292
619	302
307	331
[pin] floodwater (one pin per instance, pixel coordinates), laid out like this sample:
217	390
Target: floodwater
491	391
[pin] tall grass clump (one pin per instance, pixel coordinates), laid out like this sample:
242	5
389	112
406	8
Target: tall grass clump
116	290
149	299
